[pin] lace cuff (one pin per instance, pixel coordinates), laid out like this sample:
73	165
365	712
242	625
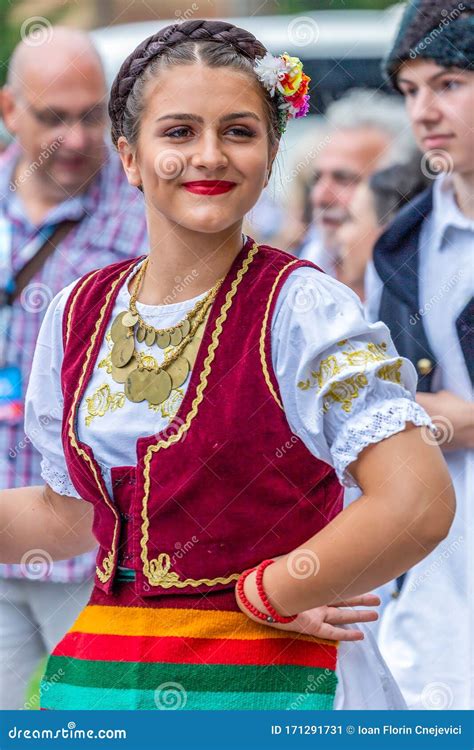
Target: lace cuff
372	425
59	481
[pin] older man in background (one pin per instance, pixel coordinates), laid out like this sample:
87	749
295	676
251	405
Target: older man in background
365	131
65	209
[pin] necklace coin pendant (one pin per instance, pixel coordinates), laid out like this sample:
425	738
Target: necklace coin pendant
190	353
176	338
129	319
122	351
150	337
141	333
120	374
118	329
191	349
135	385
163	340
178	371
158	387
185	327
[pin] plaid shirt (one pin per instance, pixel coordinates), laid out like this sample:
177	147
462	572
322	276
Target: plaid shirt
113	228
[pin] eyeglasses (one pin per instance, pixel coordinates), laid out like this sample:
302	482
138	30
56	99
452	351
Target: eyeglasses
52	119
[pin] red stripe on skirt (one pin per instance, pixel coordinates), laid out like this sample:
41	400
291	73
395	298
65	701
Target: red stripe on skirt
169	649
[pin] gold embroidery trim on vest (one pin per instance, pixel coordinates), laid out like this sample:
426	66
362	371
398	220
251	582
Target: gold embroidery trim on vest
263	357
157	571
108	561
73	302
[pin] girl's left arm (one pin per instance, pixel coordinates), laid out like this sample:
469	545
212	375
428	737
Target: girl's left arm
350	397
406	509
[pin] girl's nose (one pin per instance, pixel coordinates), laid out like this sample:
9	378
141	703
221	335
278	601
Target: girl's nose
209	153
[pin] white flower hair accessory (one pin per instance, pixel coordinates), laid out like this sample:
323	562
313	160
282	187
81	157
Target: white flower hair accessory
283	76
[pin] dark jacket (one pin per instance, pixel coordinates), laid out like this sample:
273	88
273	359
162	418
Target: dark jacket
396	261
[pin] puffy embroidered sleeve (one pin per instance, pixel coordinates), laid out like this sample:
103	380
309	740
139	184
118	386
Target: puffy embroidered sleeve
343	385
44	400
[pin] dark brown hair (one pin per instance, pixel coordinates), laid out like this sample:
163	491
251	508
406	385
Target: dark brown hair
213	43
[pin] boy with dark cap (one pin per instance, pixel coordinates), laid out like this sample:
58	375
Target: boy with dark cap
420	285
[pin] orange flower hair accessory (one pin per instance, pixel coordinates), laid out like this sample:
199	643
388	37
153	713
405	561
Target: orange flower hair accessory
283	76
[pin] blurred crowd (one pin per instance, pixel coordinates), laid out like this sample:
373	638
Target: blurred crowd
379	194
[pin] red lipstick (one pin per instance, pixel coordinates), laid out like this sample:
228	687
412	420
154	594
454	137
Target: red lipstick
209	187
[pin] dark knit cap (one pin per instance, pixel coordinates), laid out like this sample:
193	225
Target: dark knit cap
440	30
168	36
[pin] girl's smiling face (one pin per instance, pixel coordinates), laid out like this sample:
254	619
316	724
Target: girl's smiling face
200	123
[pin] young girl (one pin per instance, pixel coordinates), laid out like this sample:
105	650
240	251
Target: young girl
207	401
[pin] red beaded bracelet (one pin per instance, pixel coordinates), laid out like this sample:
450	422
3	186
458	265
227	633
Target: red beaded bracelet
276	617
248	604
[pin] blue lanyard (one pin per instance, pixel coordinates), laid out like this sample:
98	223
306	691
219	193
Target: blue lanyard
8	278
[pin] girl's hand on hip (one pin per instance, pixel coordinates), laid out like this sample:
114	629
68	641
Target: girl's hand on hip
325	622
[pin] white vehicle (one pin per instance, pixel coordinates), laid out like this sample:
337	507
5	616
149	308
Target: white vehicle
340	49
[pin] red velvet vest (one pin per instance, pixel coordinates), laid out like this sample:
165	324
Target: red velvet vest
227	483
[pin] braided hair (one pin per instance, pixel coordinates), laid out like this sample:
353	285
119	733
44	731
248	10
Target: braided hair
214	43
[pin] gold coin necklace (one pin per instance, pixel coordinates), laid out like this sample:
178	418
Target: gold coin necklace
142	377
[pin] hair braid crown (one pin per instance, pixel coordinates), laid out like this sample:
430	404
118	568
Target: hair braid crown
198	30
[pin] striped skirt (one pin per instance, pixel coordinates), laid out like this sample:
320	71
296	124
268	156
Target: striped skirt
187	652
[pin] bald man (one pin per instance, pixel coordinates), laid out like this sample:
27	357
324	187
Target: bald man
58	180
55	103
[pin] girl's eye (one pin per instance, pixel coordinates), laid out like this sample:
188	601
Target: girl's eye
183	132
242	131
177	132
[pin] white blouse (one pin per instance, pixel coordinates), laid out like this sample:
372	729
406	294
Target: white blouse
342	383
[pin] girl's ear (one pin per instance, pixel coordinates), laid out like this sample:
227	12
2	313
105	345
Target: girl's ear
128	158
